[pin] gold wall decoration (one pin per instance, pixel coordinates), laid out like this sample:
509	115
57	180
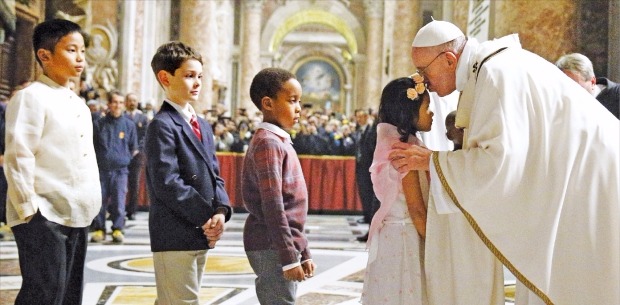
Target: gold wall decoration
313	17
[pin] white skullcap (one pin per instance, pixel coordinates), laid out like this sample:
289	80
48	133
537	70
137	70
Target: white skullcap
435	33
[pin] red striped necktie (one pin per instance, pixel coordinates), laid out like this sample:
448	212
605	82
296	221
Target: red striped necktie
195	127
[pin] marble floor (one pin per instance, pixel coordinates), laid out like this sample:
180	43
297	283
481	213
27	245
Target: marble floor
123	274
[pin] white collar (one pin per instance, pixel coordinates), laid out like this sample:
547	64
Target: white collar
467	56
51	83
597	89
276	130
186	112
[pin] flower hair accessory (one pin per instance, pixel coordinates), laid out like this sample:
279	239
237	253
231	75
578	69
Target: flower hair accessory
420	86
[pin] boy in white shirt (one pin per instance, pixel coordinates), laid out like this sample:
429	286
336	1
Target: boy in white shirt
51	170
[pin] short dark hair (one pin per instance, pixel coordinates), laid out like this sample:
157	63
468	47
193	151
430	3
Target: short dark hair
171	55
113	93
268	82
451	118
399	110
48	33
363	111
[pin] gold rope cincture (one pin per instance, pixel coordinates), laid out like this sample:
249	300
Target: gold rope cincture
484	238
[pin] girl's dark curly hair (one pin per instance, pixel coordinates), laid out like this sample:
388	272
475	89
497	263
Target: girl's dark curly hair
397	109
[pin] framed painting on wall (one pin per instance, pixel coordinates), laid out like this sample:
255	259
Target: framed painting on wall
321	83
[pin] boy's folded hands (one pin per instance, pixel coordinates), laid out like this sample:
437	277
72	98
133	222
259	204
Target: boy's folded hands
296	274
213	229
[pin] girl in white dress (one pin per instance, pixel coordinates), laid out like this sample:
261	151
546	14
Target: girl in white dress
395	271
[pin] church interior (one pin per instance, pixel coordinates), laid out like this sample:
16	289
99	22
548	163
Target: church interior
343	52
359	45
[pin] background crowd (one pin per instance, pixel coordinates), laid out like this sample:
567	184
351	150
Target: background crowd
318	132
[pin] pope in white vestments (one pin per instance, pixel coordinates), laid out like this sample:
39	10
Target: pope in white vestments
538	178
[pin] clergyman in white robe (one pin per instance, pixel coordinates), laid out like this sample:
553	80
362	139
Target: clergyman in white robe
538	176
460	269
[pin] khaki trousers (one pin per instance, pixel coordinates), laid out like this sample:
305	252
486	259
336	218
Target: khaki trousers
178	276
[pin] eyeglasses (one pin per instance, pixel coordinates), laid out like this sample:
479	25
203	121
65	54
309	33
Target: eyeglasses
421	72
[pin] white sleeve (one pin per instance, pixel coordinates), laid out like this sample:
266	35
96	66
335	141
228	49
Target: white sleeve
24	127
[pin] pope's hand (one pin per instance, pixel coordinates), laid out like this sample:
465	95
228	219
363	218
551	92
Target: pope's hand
406	157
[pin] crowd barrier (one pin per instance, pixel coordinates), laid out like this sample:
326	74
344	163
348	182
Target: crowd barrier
330	181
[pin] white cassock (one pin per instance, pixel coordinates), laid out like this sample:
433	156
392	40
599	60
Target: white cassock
538	178
460	269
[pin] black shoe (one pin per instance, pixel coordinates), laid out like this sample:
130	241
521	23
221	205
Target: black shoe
131	217
363	238
362	221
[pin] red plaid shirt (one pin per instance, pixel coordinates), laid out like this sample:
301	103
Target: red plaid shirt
275	195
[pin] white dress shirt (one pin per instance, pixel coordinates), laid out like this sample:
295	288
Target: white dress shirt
50	162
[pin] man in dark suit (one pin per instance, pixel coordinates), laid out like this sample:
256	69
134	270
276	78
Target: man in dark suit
189	204
137	162
366	138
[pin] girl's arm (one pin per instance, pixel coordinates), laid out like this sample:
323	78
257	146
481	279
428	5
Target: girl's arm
415	201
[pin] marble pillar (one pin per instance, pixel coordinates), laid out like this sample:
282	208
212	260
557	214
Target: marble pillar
142	32
222	77
130	47
613	65
389	10
359	82
374	56
198	29
347	99
407	21
250	49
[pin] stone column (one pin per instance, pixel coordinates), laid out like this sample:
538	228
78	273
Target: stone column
407	21
613	66
250	51
374	47
347	99
131	39
359	82
198	29
222	75
142	33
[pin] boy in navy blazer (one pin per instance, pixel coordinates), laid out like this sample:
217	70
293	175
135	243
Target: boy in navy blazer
189	204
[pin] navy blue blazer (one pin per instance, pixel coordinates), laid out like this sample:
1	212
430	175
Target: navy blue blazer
183	182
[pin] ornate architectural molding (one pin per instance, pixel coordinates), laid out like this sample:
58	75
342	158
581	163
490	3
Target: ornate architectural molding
100	56
314	16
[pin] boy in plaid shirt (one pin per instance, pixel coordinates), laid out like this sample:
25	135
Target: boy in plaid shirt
274	192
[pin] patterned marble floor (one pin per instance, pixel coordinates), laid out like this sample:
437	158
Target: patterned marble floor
123	274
